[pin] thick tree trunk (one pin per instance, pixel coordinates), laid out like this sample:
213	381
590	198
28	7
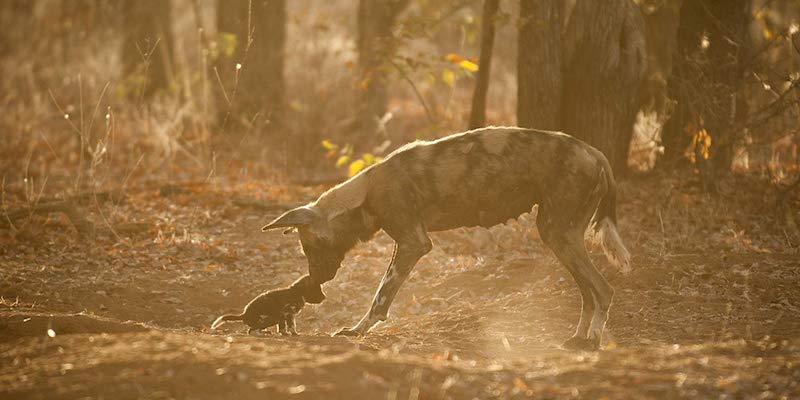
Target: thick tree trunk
256	92
727	53
661	32
16	12
477	116
604	63
709	75
147	45
539	65
376	45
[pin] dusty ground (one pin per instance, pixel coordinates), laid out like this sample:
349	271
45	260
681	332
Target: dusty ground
712	309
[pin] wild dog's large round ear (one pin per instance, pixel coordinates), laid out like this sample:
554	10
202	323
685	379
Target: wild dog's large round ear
300	216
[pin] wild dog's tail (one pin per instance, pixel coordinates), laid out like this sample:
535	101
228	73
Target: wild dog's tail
605	224
229	317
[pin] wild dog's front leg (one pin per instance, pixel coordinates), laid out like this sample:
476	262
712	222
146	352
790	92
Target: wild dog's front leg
405	257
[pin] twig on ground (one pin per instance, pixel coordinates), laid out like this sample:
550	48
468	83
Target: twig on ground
75	214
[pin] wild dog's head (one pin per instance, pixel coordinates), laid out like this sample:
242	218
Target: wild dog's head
324	242
310	290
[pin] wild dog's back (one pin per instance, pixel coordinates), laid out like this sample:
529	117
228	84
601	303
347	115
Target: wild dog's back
482	177
487	176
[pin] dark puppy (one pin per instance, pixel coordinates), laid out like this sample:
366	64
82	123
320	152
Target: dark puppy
276	307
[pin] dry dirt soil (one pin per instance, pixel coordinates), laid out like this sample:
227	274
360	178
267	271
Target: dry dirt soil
711	310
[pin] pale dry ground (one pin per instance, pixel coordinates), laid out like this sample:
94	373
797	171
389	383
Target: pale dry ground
706	313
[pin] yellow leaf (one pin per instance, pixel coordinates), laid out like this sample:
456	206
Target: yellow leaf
368	158
342	161
468	65
355	167
449	77
328	145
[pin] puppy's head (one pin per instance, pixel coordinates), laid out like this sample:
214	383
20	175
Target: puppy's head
311	291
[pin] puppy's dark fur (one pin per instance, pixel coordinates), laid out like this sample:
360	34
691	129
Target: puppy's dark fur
276	307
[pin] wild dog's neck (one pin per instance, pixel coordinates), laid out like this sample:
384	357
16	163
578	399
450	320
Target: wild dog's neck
351	227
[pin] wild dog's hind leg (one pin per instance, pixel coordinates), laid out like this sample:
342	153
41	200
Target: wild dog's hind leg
410	247
567	242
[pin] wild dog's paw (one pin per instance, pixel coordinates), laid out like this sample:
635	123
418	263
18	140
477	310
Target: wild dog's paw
350	332
577	343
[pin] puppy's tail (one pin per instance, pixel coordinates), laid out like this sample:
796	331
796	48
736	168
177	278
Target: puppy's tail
229	317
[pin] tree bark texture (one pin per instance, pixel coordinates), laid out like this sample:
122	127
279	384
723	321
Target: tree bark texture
604	63
713	46
661	33
539	64
376	46
256	92
477	116
147	45
13	12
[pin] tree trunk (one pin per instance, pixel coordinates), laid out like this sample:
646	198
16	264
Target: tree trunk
477	116
727	53
16	12
256	92
376	45
709	76
147	45
661	32
539	64
604	63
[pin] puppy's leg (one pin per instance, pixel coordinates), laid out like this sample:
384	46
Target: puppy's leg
283	326
291	324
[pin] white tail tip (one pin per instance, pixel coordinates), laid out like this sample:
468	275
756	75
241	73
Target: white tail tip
219	321
613	247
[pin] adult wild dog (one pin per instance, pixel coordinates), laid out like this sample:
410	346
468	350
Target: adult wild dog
477	178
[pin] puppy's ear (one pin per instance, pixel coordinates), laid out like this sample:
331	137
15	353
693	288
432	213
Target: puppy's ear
311	291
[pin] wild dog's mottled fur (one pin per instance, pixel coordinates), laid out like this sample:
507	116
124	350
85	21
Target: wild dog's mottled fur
276	307
477	178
